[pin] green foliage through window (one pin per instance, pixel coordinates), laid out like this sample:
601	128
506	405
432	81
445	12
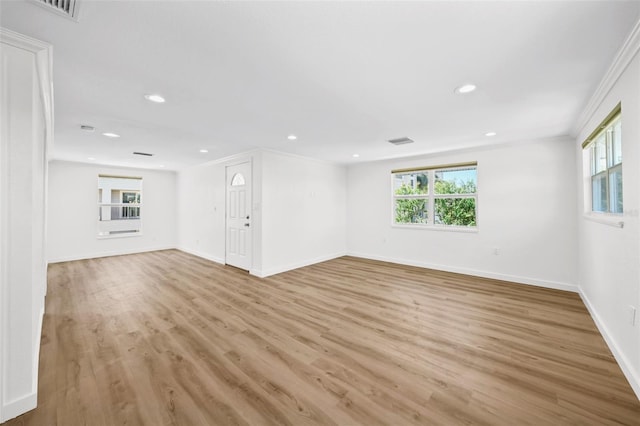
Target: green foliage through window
452	201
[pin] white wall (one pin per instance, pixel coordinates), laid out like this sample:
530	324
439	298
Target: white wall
26	117
73	212
526	209
201	208
298	211
303	212
609	272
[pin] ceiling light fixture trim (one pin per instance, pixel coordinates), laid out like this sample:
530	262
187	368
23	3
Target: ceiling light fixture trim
155	98
465	88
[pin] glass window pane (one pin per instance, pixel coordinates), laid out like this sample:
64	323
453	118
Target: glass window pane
599	152
237	180
616	143
599	193
410	183
615	190
458	181
455	211
411	210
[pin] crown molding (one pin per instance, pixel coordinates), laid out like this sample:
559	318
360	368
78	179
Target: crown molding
620	63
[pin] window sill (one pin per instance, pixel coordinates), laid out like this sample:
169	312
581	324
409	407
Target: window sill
465	230
109	237
606	219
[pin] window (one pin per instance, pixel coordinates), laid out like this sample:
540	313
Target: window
237	180
119	205
443	196
604	150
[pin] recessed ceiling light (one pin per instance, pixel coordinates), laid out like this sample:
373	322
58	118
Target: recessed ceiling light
204	151
465	88
292	137
490	134
161	165
111	135
87	128
356	155
91	158
155	98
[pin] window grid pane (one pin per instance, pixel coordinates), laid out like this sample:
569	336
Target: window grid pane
450	201
600	154
414	210
599	193
456	181
615	190
411	183
616	143
455	211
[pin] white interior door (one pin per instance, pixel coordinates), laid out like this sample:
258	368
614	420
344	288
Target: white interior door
238	244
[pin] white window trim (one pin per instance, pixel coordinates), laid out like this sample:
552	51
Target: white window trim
430	197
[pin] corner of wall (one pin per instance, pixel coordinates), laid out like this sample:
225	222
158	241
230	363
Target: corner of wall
627	367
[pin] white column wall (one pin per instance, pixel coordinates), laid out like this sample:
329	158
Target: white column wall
609	271
26	125
304	205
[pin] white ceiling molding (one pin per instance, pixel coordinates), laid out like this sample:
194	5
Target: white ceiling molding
620	63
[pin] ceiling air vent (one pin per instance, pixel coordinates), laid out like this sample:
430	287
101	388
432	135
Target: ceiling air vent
68	8
400	141
146	154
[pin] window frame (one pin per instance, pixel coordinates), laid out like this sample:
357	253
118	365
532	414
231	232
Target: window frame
134	231
593	174
430	197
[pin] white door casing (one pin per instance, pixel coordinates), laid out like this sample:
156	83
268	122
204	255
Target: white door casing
238	216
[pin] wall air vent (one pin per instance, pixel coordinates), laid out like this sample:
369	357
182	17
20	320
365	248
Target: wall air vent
146	154
68	8
400	141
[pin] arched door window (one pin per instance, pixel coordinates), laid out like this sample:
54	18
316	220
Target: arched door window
237	180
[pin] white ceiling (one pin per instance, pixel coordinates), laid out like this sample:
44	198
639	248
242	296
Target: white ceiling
343	76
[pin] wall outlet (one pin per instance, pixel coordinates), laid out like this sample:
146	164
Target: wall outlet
632	315
496	251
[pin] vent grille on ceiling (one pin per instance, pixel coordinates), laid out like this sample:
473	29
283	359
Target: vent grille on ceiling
67	8
400	141
146	154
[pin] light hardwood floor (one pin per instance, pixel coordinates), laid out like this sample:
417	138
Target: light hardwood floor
166	338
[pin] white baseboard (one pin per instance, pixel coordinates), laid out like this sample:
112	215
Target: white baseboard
19	406
474	272
202	255
84	256
280	269
627	367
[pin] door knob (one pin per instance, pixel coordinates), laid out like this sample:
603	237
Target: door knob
246	224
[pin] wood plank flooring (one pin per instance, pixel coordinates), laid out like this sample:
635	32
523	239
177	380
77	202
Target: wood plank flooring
166	338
